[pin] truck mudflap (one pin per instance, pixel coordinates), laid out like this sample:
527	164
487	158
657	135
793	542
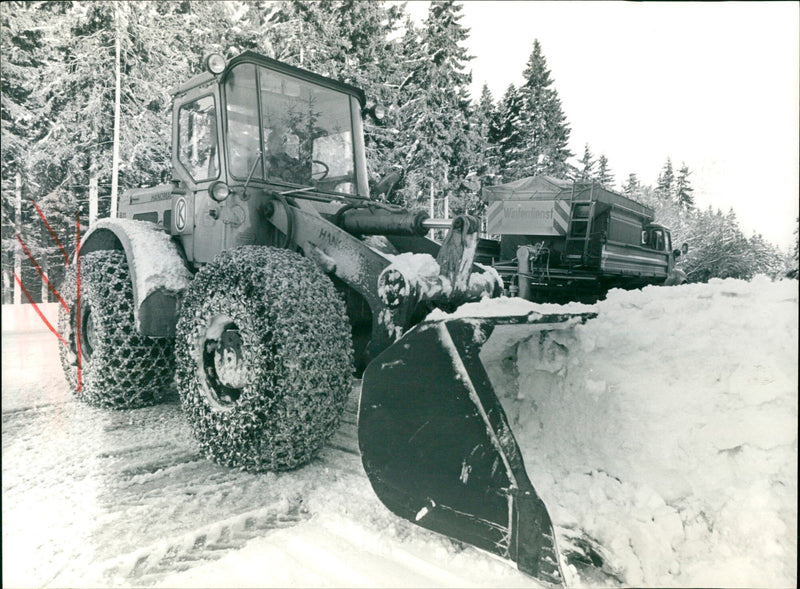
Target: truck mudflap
437	446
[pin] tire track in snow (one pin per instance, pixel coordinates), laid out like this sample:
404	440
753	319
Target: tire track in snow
150	564
168	509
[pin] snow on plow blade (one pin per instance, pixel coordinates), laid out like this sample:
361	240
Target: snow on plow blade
436	443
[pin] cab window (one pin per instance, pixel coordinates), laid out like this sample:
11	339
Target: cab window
288	129
197	139
657	240
244	142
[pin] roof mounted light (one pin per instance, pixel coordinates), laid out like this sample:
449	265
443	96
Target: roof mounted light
215	63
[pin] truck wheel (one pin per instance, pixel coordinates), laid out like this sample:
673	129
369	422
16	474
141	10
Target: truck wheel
264	358
119	368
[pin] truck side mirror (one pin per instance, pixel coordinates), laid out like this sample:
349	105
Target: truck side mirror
676	253
685	248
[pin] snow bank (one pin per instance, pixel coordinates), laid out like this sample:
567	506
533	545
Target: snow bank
666	429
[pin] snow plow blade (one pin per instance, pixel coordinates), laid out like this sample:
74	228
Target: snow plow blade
436	444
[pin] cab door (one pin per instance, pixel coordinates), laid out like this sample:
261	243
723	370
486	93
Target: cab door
198	165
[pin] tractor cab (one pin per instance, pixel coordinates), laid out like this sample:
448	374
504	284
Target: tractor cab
255	127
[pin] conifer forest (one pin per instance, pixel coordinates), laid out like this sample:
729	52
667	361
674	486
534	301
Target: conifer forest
65	65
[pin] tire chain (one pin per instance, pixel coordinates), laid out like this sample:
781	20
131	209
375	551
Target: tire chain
126	370
298	350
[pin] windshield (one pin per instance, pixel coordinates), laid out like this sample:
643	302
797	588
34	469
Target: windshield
303	133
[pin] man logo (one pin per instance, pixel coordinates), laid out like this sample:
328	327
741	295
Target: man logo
180	214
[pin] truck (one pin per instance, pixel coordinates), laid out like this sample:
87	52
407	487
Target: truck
563	240
264	276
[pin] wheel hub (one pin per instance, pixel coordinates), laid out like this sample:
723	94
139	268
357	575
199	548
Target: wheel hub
88	334
224	365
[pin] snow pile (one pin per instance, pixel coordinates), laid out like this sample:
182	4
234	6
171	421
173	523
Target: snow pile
666	430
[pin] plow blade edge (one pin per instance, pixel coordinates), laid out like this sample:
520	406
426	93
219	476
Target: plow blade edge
437	447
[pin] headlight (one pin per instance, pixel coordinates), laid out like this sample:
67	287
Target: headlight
215	63
219	191
376	111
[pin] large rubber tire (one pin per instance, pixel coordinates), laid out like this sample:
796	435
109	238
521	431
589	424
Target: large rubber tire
264	358
120	368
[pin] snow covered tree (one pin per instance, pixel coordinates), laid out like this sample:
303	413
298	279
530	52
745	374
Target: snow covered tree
544	129
587	164
26	33
718	249
792	258
367	57
487	159
604	174
507	134
684	193
665	187
434	108
766	258
632	186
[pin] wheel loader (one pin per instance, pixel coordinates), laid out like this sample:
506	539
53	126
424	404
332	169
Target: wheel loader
263	276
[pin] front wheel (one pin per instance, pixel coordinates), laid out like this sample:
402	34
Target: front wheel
264	358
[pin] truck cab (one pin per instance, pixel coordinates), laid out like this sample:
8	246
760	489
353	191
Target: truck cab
242	130
657	237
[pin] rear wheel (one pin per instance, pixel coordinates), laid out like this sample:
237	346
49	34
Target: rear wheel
119	368
264	358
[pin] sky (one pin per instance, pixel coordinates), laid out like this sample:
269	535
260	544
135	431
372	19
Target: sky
711	85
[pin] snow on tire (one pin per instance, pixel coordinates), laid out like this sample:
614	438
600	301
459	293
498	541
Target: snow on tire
119	367
264	358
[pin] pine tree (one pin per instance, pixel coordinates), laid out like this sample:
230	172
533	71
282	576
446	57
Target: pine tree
792	264
487	158
683	189
587	164
766	258
507	134
544	126
604	174
433	107
26	33
665	187
632	186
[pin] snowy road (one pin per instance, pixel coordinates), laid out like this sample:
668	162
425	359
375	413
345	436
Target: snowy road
96	498
663	432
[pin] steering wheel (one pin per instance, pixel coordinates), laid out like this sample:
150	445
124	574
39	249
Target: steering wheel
324	171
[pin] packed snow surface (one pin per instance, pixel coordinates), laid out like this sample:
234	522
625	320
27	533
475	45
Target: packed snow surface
663	433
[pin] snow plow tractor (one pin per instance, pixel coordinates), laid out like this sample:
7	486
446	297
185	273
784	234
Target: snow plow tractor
263	276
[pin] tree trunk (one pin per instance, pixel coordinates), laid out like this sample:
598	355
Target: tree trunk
117	98
45	267
93	201
18	246
446	197
432	232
